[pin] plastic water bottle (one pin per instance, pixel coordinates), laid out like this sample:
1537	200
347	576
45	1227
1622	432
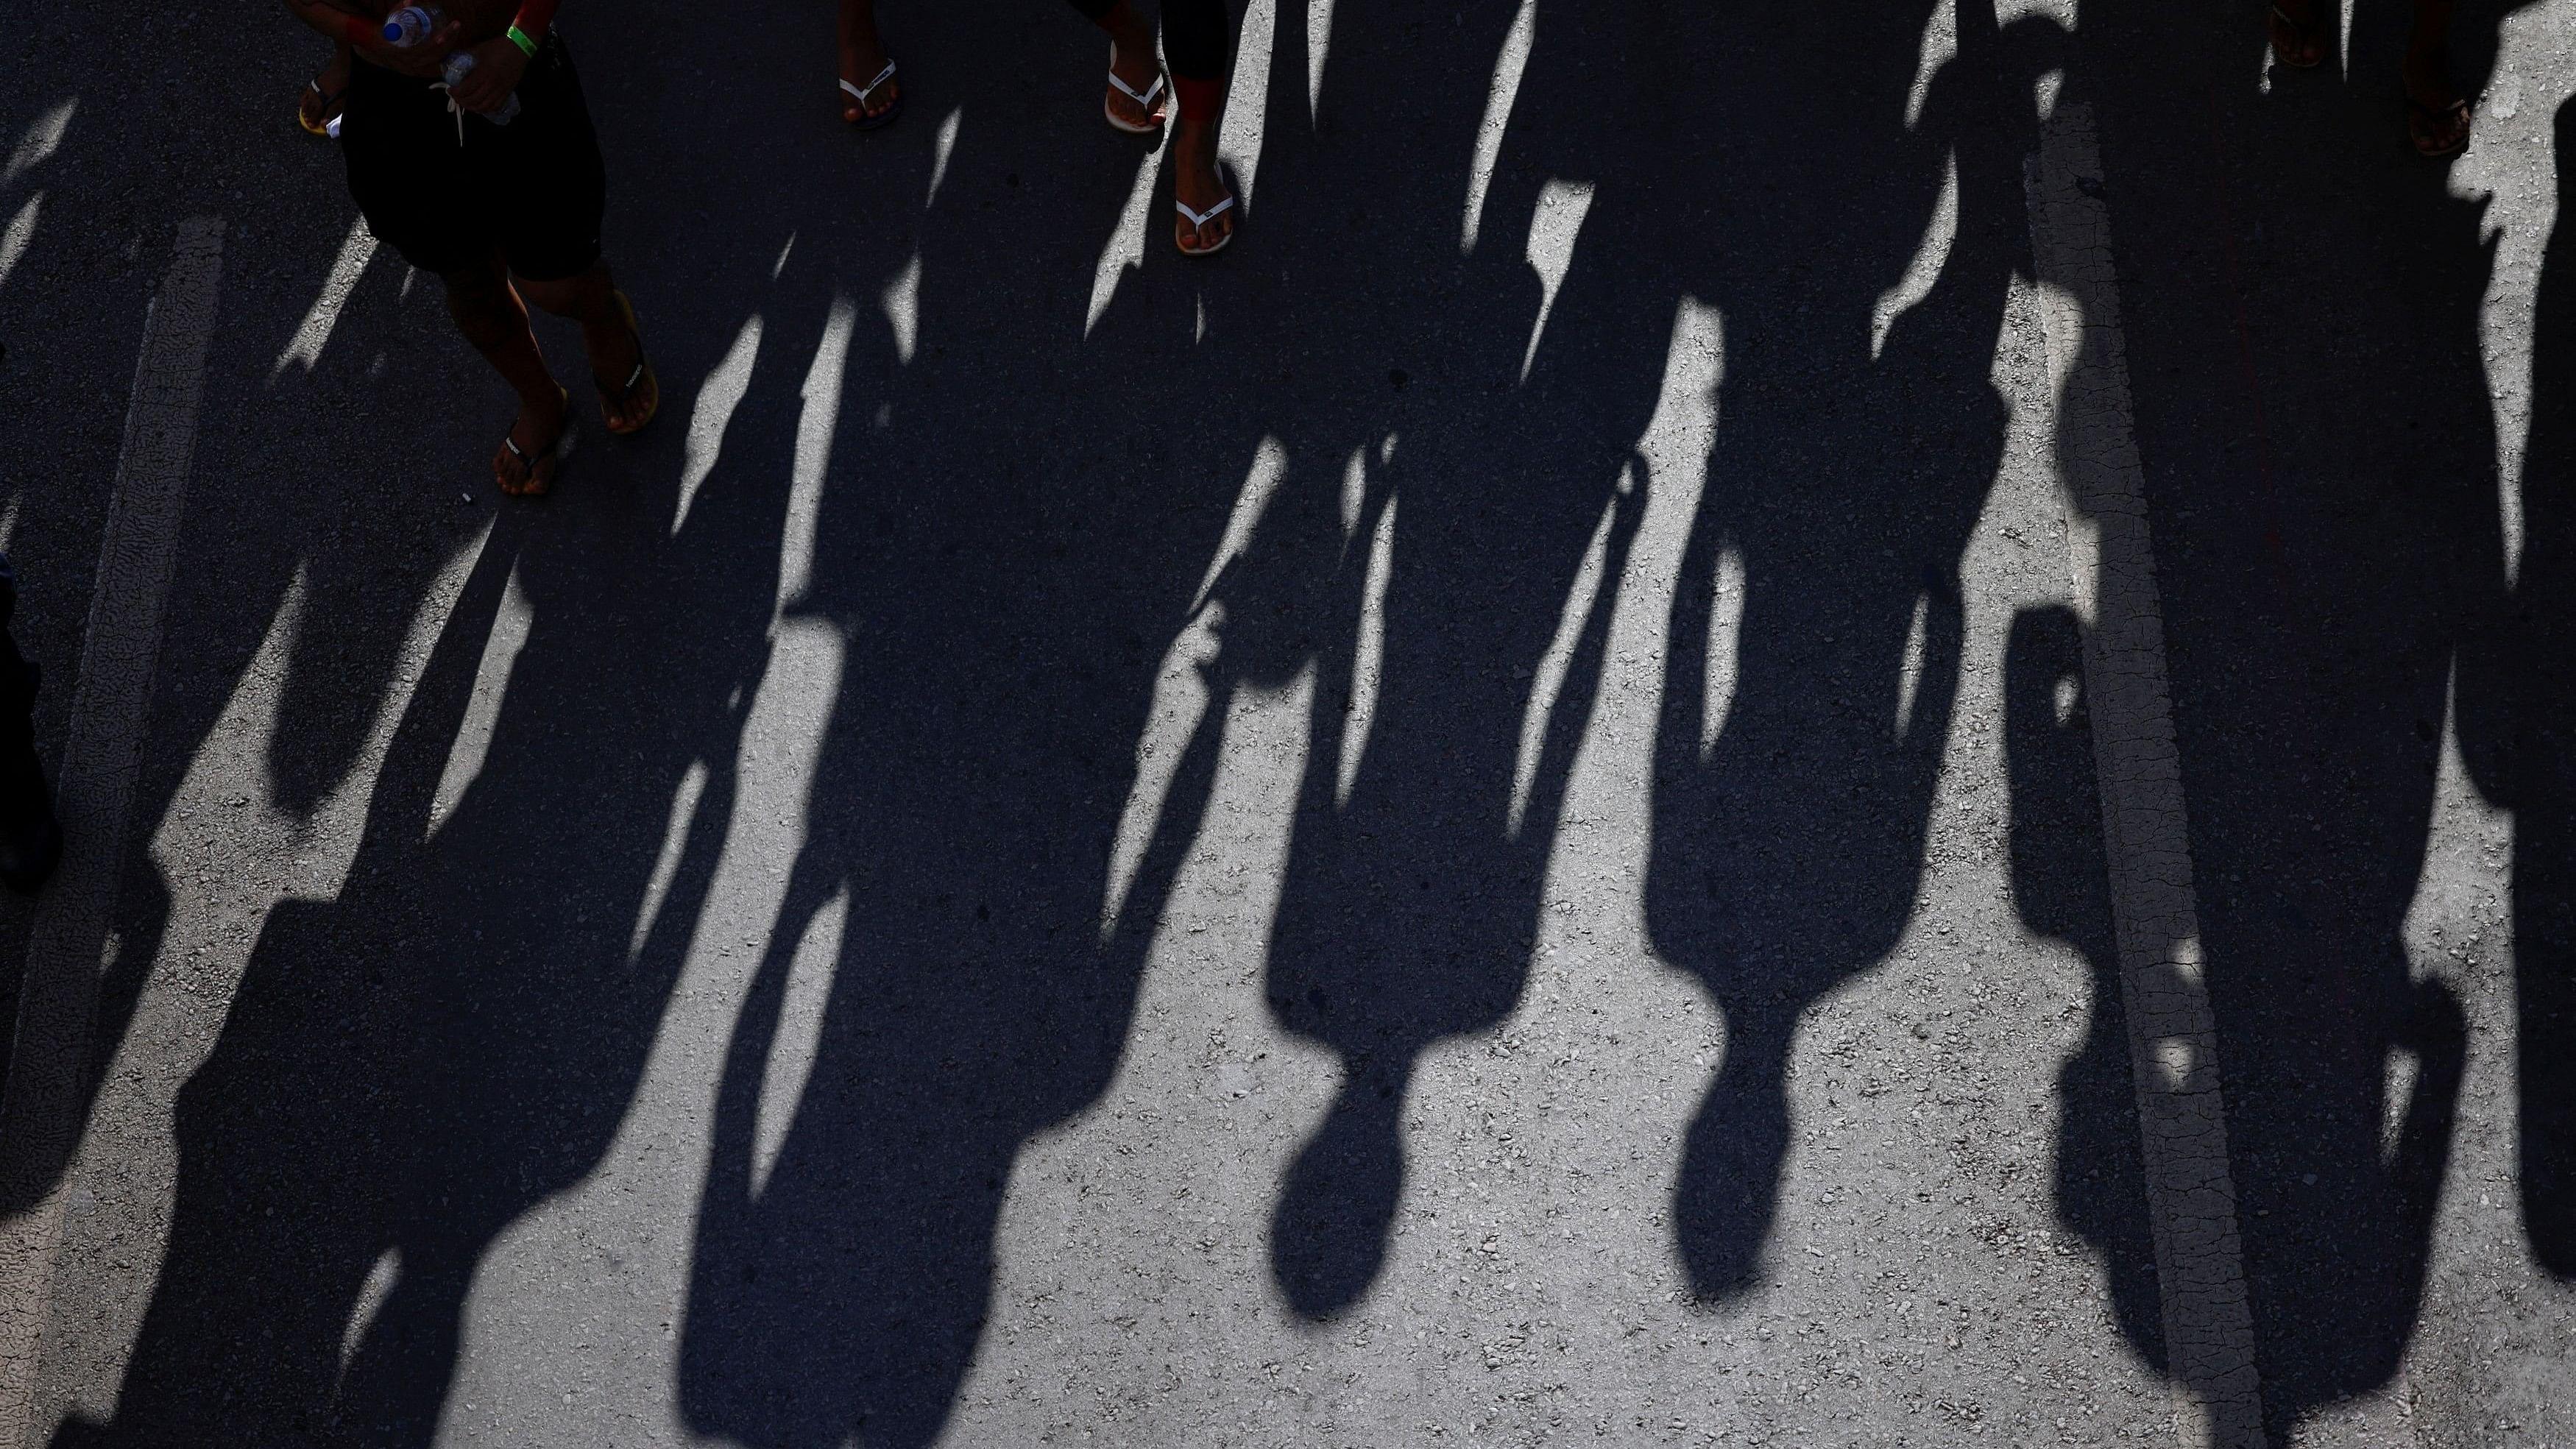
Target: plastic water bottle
459	66
413	24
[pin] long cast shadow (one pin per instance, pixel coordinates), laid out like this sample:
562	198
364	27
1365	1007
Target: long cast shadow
1792	796
2518	724
408	1069
2302	300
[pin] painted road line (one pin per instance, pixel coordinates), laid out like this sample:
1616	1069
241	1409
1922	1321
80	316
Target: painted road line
41	1104
2173	1039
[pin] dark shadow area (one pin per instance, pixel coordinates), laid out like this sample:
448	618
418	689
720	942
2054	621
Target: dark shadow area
983	583
1412	887
2301	295
1788	848
2518	728
353	507
2061	885
409	1067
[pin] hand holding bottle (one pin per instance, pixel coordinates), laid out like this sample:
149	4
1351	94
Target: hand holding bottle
490	84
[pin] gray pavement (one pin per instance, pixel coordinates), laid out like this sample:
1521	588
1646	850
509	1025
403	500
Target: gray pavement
1819	725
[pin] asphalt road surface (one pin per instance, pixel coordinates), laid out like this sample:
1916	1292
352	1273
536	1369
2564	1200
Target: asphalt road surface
1820	724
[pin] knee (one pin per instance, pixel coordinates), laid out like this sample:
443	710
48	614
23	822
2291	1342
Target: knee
481	304
577	296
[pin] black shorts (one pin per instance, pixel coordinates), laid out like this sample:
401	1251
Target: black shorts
532	190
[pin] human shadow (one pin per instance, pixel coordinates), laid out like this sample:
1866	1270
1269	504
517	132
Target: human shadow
409	1067
316	526
2062	889
1013	602
2517	708
2301	299
1014	509
1455	608
1852	457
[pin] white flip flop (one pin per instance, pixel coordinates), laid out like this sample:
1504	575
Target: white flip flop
1199	219
866	122
1144	100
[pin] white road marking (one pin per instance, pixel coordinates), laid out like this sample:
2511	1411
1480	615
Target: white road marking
2191	1201
718	396
1506	88
1930	255
1562	205
41	1105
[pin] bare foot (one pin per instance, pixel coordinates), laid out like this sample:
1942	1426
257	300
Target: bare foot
862	60
529	471
1132	60
1197	185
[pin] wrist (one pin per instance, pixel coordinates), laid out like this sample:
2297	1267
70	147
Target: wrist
527	45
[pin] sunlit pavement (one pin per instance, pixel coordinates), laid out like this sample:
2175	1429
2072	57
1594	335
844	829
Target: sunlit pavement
1843	724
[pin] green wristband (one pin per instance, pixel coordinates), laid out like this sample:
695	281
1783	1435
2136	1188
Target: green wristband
520	39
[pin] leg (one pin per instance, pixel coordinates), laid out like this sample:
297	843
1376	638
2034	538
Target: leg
863	57
1199	36
492	318
590	298
2436	115
1131	58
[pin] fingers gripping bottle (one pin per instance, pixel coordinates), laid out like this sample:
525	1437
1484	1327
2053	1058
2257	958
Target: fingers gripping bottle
459	66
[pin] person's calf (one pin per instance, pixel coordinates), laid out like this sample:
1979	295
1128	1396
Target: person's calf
628	393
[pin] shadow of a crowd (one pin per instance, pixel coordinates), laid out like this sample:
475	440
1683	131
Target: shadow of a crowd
995	527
